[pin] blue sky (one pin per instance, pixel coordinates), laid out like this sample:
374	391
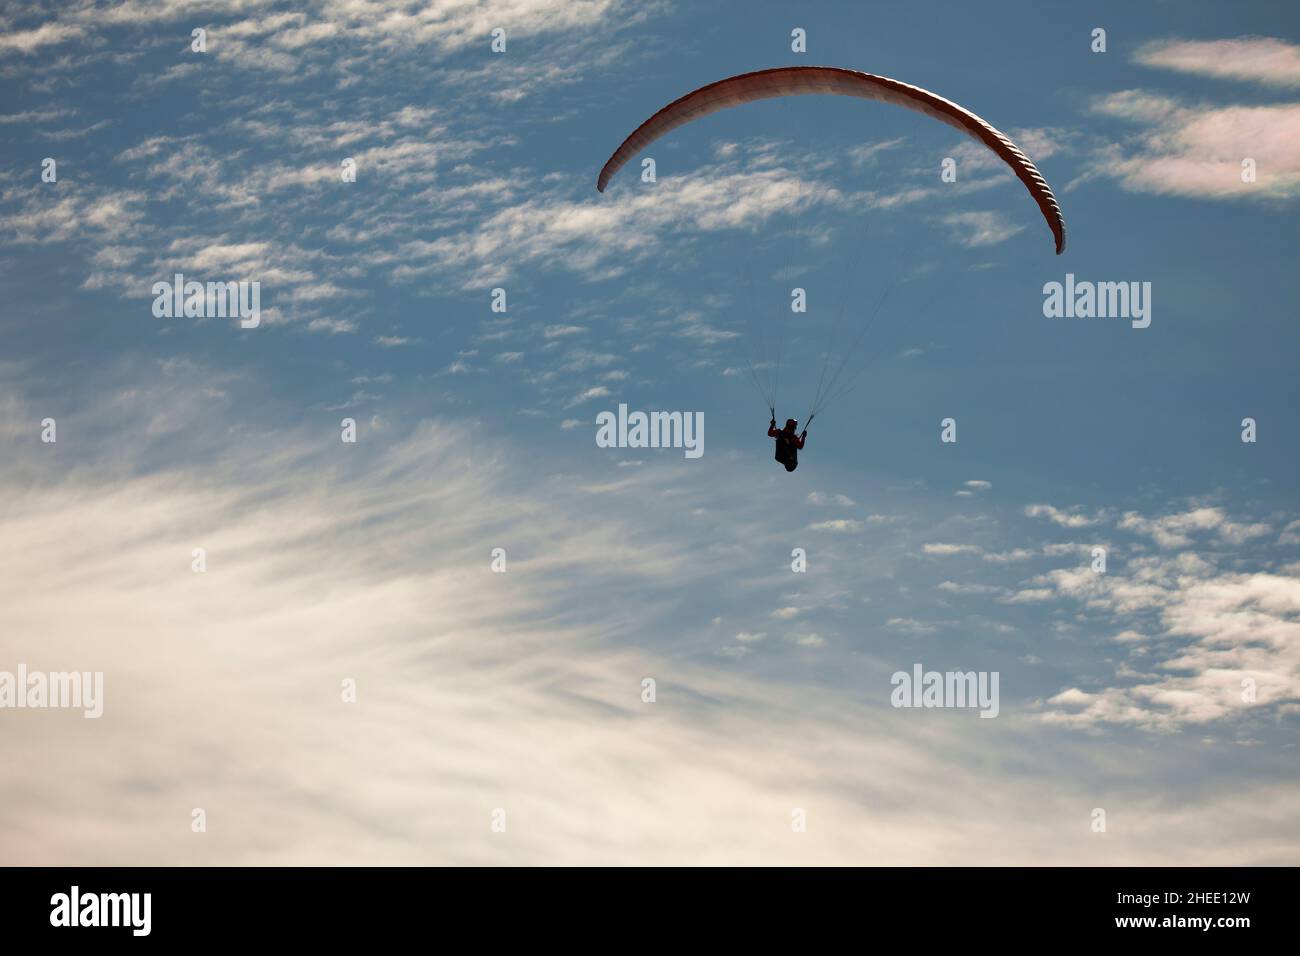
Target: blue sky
370	561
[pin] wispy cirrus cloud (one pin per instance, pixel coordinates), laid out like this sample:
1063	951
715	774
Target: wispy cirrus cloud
599	237
983	227
838	525
820	498
47	34
1267	60
946	549
1066	519
446	27
271	630
48	114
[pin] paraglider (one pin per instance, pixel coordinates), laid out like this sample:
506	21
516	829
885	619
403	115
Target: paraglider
807	80
788	444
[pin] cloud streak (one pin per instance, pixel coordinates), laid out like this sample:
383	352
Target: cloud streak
1265	60
1200	150
476	691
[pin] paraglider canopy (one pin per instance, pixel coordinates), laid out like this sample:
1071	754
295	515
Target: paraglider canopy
805	80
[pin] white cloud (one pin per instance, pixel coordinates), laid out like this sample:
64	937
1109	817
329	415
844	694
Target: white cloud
1029	596
1266	60
1198	151
983	228
952	587
818	498
841	525
914	626
1222	630
30	117
600	236
868	153
1065	519
1178	530
47	34
555	331
946	550
309	39
226	684
599	391
1006	557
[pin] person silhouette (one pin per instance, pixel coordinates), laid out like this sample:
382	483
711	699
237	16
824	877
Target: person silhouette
788	443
